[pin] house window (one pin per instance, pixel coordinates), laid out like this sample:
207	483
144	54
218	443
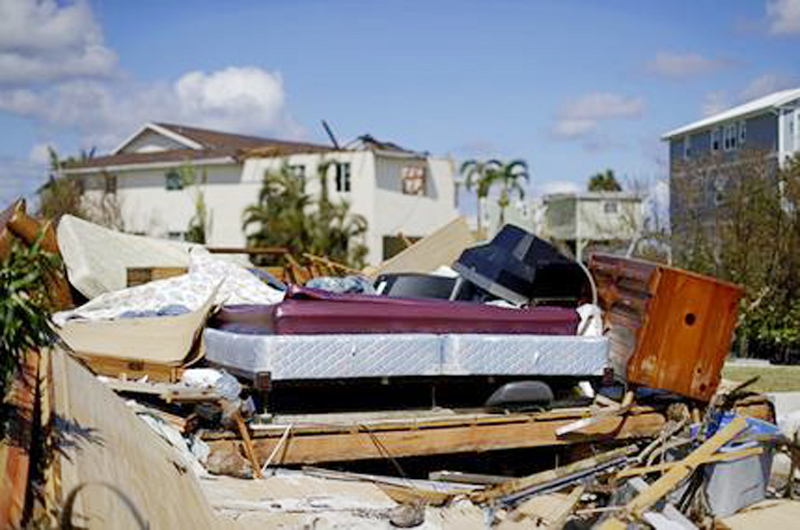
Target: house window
110	183
174	181
742	132
729	141
413	180
298	171
687	147
343	177
715	138
176	236
610	207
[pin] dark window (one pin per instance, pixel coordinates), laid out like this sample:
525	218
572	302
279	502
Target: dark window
343	177
174	180
111	183
298	171
715	138
177	236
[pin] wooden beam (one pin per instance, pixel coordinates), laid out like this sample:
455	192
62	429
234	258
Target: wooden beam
360	442
720	457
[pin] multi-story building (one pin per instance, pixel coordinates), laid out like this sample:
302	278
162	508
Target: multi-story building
586	218
705	154
398	191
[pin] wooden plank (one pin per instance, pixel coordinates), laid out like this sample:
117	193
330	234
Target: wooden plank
721	457
248	444
15	448
360	444
642	502
523	483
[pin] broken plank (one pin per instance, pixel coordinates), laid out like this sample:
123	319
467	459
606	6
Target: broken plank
642	502
551	475
360	442
721	457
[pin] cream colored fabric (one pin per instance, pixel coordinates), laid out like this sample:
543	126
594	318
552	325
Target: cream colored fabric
97	258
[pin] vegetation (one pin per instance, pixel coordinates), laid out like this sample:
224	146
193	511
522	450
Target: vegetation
482	176
739	221
604	181
62	196
770	378
24	306
287	216
200	223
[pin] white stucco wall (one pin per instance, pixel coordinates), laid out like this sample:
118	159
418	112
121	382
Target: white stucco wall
376	193
413	215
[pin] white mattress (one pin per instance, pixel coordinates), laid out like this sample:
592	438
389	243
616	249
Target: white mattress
298	357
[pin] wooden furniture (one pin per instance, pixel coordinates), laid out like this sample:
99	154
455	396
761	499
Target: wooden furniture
669	328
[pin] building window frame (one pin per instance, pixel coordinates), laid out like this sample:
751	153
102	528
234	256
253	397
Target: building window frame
687	147
298	171
343	177
742	132
611	207
110	184
716	136
173	180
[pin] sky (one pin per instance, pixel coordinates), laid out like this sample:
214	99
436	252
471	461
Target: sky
571	87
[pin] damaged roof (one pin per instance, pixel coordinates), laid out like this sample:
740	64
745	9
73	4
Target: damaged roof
195	144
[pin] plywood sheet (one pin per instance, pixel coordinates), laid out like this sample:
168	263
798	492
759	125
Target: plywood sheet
442	247
102	441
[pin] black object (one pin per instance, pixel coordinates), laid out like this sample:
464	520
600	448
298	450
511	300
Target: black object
409	285
414	285
521	395
521	268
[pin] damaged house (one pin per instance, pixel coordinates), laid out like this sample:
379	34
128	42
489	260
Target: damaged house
395	189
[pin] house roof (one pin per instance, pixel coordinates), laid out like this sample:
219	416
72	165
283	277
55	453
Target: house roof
200	144
756	106
594	196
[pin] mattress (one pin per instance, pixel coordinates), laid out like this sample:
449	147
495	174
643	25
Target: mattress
309	357
310	311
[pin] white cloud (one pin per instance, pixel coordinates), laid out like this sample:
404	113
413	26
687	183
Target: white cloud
40	154
715	102
766	84
783	16
19	177
45	41
246	99
680	65
602	106
558	186
580	119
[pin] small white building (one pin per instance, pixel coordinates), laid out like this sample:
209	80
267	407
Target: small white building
580	219
396	190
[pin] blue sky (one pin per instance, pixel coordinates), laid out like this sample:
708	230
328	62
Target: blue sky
572	87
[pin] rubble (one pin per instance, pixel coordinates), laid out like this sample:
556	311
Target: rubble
350	413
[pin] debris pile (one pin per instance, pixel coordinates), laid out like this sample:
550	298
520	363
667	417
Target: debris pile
455	385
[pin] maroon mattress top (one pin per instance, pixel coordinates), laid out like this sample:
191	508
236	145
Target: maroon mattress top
314	311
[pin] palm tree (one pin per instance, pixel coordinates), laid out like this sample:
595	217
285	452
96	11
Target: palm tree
280	213
509	175
605	181
477	177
